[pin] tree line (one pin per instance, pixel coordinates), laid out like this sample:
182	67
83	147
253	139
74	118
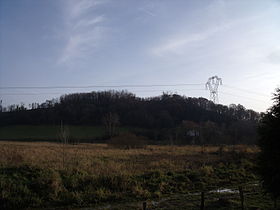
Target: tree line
169	117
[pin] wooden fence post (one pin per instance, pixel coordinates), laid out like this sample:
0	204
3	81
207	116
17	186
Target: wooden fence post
202	201
241	194
144	205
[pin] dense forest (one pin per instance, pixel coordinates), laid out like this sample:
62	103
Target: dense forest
169	118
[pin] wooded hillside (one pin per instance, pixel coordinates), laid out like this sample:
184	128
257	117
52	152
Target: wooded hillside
169	117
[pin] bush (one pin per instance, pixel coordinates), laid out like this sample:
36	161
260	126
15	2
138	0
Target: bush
269	144
27	186
128	141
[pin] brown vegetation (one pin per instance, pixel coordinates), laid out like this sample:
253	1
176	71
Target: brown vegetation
103	159
45	174
128	141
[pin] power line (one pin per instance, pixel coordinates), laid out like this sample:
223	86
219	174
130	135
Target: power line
245	90
29	93
125	86
99	86
241	96
156	90
50	93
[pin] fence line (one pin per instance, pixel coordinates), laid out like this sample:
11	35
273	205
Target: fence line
236	191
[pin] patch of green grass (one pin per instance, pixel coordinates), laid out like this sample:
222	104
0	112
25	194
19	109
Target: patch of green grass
29	186
51	132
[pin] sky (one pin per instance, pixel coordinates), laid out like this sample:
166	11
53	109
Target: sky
154	45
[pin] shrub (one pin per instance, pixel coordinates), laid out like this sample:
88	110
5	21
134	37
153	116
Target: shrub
128	141
269	158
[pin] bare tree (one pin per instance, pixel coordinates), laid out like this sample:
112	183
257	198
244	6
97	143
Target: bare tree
64	138
111	120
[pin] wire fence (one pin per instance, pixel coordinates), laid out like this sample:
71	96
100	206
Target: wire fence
239	193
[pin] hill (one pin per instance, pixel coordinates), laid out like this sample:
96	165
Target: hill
169	118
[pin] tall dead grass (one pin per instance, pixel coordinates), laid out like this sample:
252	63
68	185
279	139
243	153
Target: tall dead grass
100	159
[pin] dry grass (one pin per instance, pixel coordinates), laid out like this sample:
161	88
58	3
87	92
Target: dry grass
51	174
100	159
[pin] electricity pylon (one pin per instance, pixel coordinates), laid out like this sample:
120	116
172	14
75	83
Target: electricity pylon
212	84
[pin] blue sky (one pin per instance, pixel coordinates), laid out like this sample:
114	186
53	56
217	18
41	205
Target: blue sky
131	42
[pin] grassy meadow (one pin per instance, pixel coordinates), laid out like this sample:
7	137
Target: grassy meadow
51	132
43	174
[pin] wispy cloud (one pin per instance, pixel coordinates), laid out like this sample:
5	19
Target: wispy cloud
84	29
78	8
80	44
83	23
147	11
274	57
177	44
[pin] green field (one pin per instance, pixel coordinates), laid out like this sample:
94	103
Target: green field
51	132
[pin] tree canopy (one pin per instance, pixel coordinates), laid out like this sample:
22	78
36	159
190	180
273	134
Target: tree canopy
163	117
269	142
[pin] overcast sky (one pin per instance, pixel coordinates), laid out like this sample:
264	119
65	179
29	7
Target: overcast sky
147	42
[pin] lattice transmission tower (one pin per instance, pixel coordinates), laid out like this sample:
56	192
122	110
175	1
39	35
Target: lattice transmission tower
212	84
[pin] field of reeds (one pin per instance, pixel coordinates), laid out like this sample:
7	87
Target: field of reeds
41	174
